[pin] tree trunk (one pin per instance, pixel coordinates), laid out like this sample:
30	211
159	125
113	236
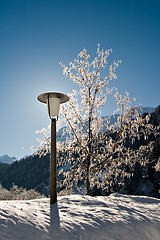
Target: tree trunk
88	180
90	147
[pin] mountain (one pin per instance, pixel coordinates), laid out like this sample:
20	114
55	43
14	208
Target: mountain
7	159
113	119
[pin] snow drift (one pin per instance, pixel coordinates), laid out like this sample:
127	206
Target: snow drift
114	217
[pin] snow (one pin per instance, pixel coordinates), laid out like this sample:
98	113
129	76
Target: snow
114	217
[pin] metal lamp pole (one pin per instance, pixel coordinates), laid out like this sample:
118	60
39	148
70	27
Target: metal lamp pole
53	101
53	165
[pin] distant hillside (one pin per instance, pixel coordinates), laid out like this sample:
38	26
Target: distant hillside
33	172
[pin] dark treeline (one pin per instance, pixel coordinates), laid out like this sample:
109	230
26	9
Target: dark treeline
29	173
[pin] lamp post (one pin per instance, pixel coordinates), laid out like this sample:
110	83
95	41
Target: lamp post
53	101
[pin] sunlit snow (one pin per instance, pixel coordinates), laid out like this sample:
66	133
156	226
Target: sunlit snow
114	217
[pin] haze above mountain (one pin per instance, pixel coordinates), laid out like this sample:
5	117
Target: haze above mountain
147	110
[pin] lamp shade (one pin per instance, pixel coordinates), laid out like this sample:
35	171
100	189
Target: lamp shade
53	104
53	101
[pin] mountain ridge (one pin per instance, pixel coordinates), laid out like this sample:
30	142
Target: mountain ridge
6	159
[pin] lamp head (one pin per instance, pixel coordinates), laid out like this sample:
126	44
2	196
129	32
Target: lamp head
53	101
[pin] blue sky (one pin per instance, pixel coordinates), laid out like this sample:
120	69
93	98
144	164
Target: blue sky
35	35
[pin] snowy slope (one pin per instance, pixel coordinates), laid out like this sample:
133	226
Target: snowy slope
116	217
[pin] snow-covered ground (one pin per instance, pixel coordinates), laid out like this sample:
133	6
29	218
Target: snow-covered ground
116	217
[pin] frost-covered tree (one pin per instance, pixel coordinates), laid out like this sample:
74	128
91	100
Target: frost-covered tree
96	151
16	193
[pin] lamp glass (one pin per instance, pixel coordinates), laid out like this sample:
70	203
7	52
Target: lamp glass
53	104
